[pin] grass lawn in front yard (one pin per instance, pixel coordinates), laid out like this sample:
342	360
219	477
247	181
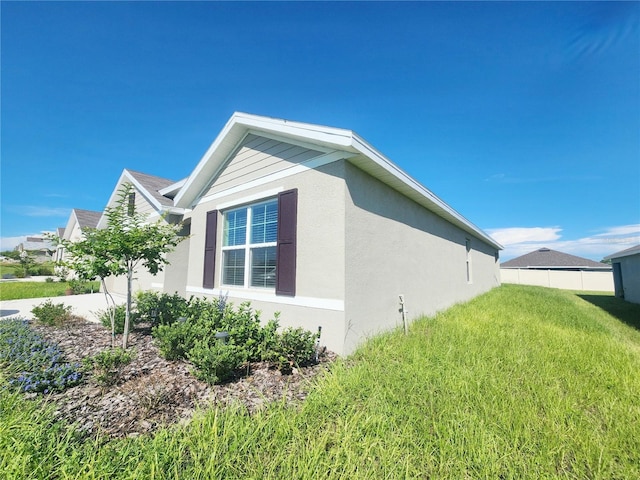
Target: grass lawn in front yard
19	289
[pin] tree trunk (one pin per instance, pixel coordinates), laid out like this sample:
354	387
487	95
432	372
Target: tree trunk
111	310
125	337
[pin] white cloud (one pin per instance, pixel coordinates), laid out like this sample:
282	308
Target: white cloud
34	211
518	241
515	235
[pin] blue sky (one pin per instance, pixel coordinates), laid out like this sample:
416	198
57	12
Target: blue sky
524	117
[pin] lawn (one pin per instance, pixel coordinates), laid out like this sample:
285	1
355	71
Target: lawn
17	290
522	382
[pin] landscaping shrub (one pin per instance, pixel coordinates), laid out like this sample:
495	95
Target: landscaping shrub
107	365
32	363
216	361
80	287
52	314
248	341
160	308
120	313
292	347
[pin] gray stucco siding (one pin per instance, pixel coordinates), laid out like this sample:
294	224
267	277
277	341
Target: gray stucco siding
320	286
630	269
395	246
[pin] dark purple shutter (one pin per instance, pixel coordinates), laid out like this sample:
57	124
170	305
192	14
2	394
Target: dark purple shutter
210	249
286	256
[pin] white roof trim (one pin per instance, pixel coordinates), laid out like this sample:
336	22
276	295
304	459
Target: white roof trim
172	188
330	138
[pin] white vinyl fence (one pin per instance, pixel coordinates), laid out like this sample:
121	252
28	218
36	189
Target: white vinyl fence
567	280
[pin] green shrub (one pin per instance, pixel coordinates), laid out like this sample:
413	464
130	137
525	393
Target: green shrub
48	280
292	347
215	361
248	341
120	314
160	308
174	341
107	365
80	287
51	314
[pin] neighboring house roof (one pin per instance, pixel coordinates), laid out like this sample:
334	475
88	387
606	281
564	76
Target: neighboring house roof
36	243
87	218
552	259
335	143
149	186
624	253
60	232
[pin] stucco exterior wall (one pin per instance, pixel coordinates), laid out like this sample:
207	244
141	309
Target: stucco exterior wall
394	246
630	269
567	280
320	279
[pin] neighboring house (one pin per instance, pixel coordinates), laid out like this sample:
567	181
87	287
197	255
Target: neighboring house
626	273
152	196
78	220
41	248
550	268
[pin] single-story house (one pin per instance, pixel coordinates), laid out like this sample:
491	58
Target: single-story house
550	268
149	200
40	248
78	220
316	224
626	273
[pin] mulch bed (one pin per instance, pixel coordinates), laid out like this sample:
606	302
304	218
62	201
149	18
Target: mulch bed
155	392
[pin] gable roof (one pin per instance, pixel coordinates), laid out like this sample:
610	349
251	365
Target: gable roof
149	186
624	253
87	218
337	144
552	259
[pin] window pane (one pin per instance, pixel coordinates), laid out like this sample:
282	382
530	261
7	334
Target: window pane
233	267
264	222
263	267
235	227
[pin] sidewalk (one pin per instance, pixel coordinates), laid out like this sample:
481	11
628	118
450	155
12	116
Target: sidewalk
86	306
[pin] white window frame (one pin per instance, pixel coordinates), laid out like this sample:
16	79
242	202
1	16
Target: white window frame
247	246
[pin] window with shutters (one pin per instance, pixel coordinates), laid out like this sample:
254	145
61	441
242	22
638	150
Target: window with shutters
249	245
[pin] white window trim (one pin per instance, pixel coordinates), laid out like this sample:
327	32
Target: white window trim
247	246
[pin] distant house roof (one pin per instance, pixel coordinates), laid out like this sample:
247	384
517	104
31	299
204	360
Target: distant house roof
87	218
546	258
60	232
36	244
624	253
153	185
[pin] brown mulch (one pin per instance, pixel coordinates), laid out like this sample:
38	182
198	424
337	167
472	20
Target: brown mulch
155	392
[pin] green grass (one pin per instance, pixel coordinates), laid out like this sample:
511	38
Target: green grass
522	382
18	290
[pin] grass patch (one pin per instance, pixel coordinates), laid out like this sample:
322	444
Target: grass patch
522	382
18	290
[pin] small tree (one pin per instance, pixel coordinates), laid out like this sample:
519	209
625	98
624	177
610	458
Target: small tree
26	261
126	243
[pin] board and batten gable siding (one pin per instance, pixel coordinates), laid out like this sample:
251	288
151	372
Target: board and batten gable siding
258	157
396	247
